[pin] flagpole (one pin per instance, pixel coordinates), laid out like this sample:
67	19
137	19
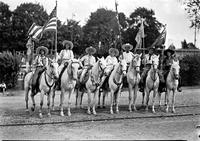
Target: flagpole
56	33
117	16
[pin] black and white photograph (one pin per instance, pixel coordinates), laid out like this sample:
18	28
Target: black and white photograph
100	70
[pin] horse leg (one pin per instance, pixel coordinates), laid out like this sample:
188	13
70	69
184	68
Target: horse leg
117	100
62	96
89	102
53	97
81	106
159	98
135	97
69	102
48	104
147	99
111	101
26	98
104	96
173	102
154	95
41	103
143	95
130	97
167	100
99	100
76	98
94	101
33	101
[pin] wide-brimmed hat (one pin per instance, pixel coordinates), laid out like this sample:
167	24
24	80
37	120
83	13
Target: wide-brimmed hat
66	42
113	51
42	48
90	50
152	48
127	46
170	49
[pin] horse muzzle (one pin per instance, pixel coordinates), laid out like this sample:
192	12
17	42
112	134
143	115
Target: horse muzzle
124	72
176	76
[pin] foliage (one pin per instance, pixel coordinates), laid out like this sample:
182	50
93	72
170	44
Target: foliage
190	74
184	44
9	68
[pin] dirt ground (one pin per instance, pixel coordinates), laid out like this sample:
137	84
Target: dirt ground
12	108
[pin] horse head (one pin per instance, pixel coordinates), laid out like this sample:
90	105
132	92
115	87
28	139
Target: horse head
136	62
123	66
73	67
175	68
155	62
53	68
102	63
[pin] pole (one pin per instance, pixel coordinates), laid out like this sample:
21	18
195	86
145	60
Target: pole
117	16
195	29
56	32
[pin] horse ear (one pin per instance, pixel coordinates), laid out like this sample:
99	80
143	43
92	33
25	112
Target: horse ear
98	58
140	55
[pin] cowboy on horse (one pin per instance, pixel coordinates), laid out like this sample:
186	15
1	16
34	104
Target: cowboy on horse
169	56
147	61
88	62
111	59
127	54
40	62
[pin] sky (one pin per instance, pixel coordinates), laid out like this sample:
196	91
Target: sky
170	12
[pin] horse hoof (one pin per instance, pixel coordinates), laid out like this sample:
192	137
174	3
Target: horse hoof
88	112
32	109
173	111
135	109
130	111
69	114
62	114
104	107
27	111
111	112
117	111
146	109
153	111
166	110
99	107
49	115
94	113
40	115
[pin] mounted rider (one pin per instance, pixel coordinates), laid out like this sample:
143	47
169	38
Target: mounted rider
88	61
169	56
111	59
127	54
147	61
40	63
65	56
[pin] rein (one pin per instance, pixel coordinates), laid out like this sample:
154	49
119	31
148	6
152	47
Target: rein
45	76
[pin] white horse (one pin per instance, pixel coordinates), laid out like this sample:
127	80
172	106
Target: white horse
171	84
93	84
152	82
46	85
133	79
115	83
68	83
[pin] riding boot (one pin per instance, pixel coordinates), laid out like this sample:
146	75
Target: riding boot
179	89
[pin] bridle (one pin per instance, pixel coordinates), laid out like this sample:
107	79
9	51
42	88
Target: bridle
71	71
120	72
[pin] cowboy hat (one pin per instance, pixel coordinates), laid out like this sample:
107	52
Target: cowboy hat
170	49
152	48
66	42
127	46
90	50
42	48
113	51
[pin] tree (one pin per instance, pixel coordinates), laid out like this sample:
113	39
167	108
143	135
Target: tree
5	26
101	27
23	17
184	44
191	46
151	30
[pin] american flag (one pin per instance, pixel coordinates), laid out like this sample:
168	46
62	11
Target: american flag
161	38
52	23
35	31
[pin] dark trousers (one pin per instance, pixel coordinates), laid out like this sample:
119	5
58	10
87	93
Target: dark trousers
35	79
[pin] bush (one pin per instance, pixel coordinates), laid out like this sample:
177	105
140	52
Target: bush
190	70
9	68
